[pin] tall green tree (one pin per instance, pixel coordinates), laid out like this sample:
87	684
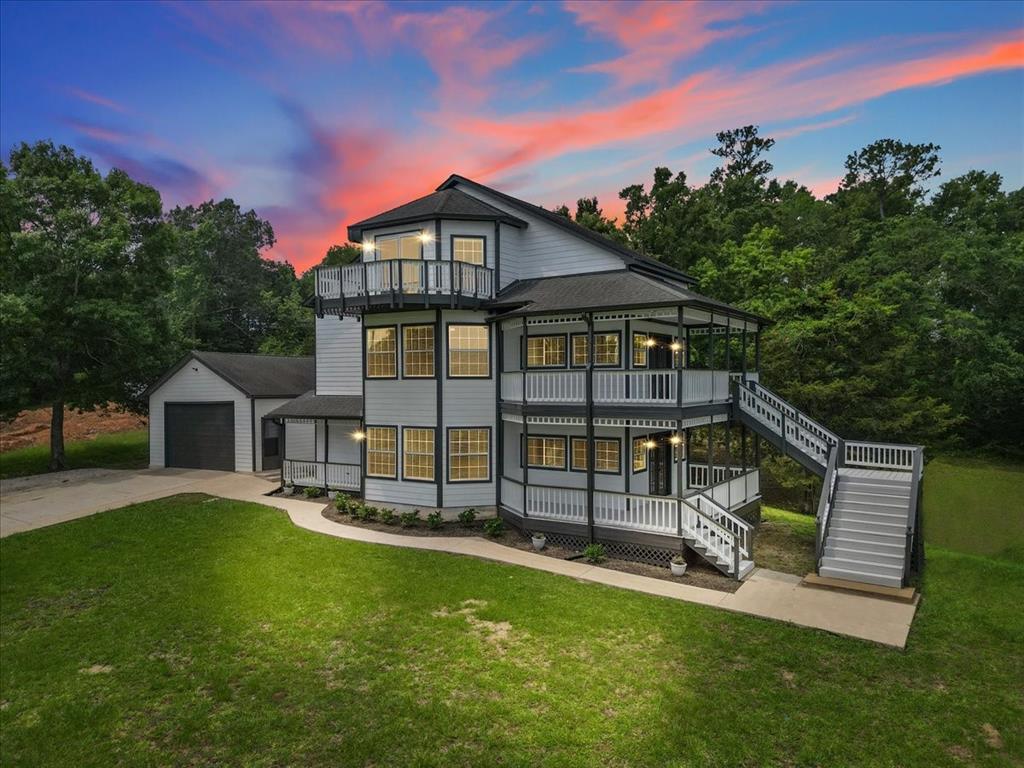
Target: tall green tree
83	260
889	174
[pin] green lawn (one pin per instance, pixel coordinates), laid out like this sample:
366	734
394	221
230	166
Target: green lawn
197	631
785	541
975	505
120	450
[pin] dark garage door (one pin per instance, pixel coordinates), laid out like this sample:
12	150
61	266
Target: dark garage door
200	435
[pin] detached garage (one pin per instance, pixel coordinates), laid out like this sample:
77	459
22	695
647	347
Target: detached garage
208	412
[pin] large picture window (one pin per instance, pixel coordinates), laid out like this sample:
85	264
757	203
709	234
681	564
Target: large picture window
382	452
468	249
469	454
545	452
545	352
606	350
606	455
418	453
469	351
417	351
381	353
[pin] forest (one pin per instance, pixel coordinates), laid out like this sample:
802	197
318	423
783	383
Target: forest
897	303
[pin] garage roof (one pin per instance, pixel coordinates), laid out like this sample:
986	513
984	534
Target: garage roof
255	375
313	406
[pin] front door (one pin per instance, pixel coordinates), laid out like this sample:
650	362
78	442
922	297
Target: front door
271	444
659	465
659	357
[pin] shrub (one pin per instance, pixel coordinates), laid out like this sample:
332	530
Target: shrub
343	504
594	553
678	560
370	513
311	492
434	520
494	527
466	517
409	519
387	516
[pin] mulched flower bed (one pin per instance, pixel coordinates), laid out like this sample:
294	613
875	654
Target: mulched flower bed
698	574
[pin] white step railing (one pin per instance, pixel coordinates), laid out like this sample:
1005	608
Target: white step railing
719	541
786	422
405	276
312	473
736	491
697	474
879	455
741	530
556	503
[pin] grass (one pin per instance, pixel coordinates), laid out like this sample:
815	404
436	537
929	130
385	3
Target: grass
975	506
119	450
785	541
201	631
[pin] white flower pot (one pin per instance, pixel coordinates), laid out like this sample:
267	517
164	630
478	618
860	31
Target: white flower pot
538	543
678	569
287	490
332	495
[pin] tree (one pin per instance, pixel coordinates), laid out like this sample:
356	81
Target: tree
890	173
742	150
590	215
84	267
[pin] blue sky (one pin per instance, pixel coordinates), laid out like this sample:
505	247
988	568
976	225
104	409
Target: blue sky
318	114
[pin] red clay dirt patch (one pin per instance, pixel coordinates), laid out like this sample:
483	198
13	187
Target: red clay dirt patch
33	427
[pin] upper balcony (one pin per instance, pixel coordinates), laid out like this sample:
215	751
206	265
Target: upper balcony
397	283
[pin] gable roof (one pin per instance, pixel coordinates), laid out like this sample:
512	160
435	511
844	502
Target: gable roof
443	204
254	375
617	289
628	255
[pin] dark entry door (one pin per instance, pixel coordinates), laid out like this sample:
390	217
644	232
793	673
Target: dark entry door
199	435
659	465
271	444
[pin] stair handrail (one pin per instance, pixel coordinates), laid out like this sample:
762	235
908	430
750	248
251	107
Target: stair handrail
828	492
915	493
791	411
737	525
716	530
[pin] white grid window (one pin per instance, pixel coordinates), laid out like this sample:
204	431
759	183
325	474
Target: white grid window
639	454
606	455
469	351
417	351
606	344
381	353
545	352
469	454
545	452
418	454
640	349
469	250
381	452
407	246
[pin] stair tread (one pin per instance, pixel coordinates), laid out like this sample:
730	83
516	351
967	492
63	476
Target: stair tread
867	578
865	566
842	541
854	553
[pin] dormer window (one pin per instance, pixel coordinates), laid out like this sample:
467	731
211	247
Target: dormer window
407	245
468	249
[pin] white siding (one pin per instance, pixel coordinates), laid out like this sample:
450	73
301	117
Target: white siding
195	383
300	441
544	249
263	407
343	449
339	362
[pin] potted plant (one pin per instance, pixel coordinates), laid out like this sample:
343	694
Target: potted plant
678	565
332	495
539	540
288	489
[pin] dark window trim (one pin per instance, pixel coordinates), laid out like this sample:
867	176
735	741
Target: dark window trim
401	352
398	452
490	454
451	248
406	478
647	459
419	231
448	352
613	366
617	471
366	351
526	452
526	352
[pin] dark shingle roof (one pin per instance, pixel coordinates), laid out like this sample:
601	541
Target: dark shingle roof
313	406
255	375
623	288
443	204
628	255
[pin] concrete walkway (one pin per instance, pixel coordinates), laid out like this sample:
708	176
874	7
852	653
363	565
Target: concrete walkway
767	594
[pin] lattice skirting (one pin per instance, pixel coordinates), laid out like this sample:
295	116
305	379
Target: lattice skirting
641	553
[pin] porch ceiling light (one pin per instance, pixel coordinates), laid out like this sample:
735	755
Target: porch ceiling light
650	342
358	435
649	444
675	439
676	346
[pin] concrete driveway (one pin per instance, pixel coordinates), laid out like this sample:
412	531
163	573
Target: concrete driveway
35	502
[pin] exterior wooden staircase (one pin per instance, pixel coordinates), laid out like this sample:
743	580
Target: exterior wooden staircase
869	509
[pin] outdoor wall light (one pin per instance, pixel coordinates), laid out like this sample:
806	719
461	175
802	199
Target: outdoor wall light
649	444
426	237
650	342
676	346
675	439
367	246
358	435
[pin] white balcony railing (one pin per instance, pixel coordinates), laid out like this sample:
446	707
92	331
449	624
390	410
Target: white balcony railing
617	387
405	277
319	474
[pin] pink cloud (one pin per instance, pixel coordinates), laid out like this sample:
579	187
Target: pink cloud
94	98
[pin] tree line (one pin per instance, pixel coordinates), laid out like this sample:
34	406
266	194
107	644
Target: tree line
895	315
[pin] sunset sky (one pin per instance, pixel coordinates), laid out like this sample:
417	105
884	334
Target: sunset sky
320	114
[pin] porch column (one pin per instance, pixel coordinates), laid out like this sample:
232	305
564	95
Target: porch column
743	358
687	350
711	451
757	351
327	448
711	355
362	459
590	426
499	423
439	437
743	444
525	446
728	344
728	460
680	485
686	453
